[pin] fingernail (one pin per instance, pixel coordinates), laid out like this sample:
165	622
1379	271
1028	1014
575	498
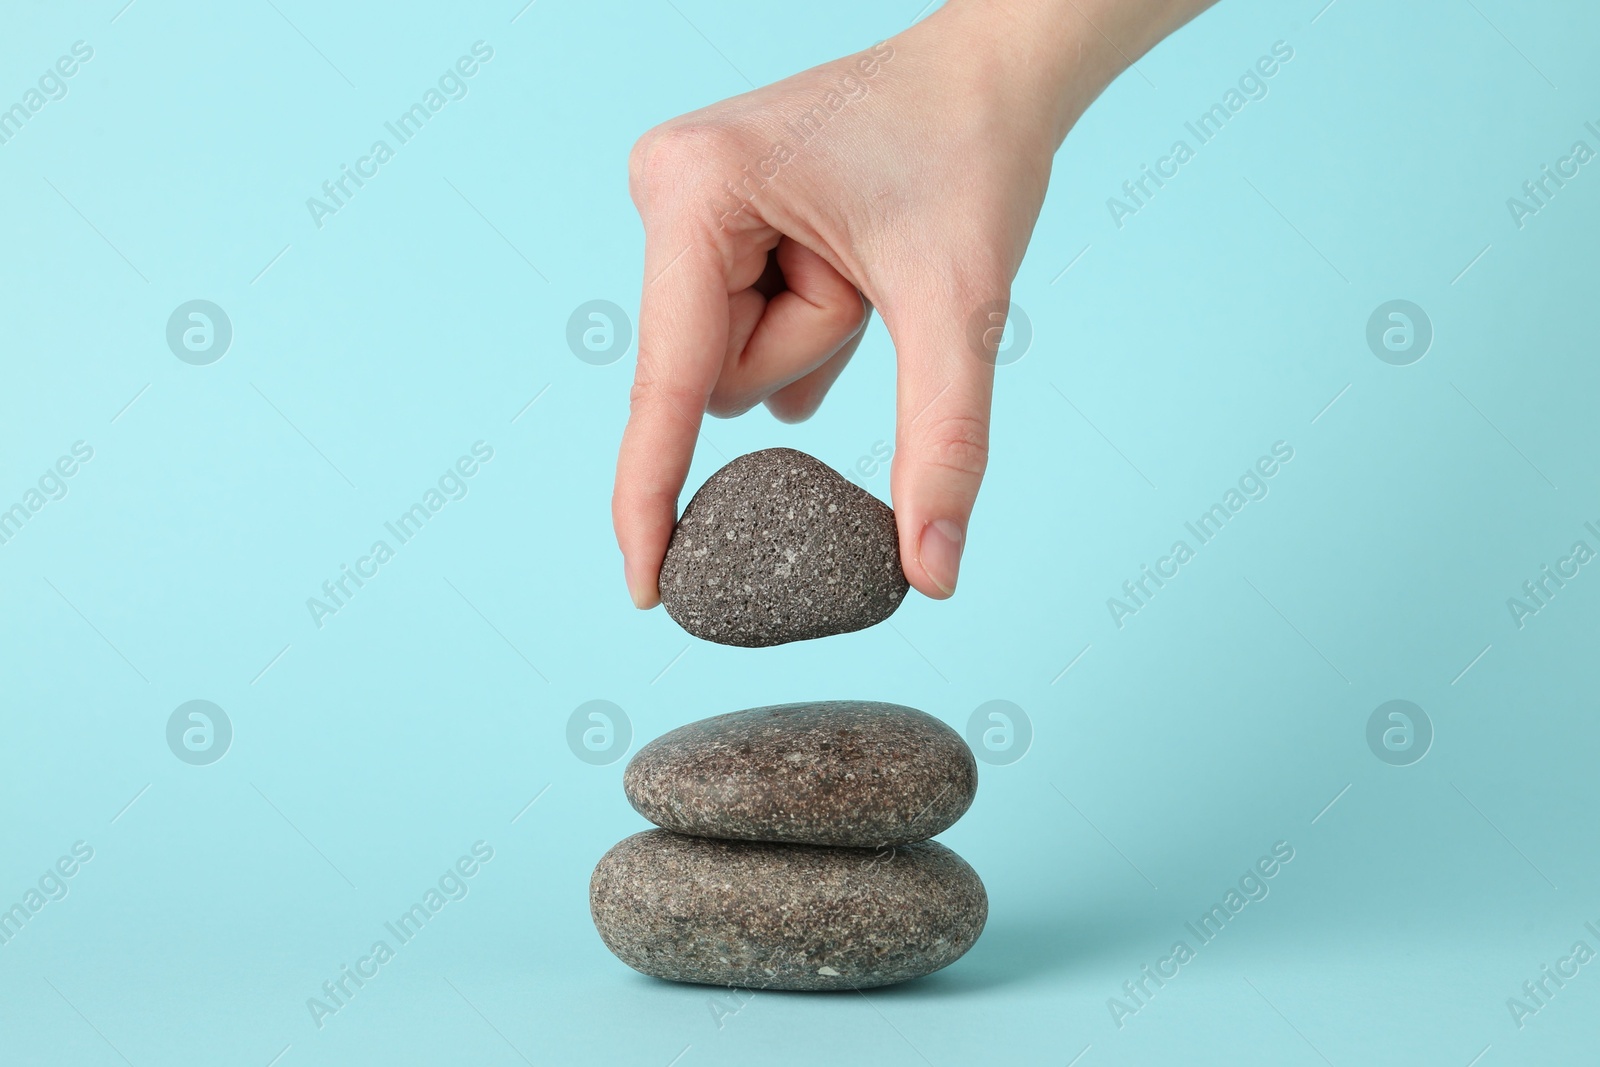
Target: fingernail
939	552
639	591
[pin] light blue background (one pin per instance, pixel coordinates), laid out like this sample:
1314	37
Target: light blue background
370	754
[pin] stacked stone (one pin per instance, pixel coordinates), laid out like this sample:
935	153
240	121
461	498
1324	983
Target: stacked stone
793	849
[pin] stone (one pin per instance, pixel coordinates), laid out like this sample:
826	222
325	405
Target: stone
777	547
772	916
835	772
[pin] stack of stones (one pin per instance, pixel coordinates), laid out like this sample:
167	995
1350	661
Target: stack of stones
793	849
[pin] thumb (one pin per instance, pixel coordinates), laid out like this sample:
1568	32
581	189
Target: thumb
946	355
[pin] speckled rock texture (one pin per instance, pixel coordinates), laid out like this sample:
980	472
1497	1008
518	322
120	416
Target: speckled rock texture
836	772
769	916
776	547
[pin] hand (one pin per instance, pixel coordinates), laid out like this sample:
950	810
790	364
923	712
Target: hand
906	178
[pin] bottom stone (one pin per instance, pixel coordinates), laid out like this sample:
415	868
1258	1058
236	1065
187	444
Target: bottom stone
770	916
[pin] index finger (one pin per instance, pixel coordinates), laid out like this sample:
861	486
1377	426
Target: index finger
683	337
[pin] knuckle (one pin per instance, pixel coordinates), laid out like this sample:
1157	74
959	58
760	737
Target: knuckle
671	155
650	392
958	443
640	396
639	154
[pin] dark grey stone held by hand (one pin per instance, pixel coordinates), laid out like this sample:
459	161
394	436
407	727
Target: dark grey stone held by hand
776	547
834	772
769	916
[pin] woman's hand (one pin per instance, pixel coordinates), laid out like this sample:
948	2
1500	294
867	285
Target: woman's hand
906	178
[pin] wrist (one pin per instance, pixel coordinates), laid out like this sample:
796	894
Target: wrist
1054	57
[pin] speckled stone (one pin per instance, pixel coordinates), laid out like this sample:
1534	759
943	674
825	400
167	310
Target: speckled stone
834	772
776	547
768	916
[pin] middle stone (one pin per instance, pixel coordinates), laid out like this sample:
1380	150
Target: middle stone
842	772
